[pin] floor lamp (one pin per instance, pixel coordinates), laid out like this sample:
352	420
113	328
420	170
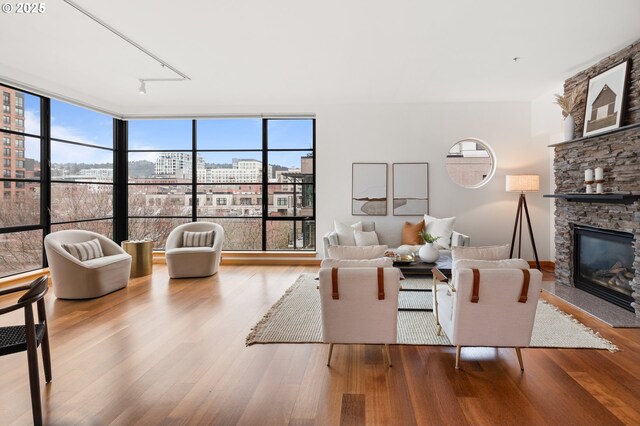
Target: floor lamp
522	184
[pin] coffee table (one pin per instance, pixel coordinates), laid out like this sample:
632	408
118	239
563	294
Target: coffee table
422	269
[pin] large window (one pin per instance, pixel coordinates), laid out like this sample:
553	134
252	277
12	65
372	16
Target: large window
213	170
66	167
21	224
82	148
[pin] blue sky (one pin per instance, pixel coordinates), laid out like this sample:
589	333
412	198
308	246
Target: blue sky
77	124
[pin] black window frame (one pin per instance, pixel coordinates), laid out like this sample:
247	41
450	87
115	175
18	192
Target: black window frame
263	198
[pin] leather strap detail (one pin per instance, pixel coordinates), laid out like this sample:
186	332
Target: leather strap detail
334	283
475	295
525	286
380	283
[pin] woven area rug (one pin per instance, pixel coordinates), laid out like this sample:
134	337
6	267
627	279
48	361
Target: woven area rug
295	318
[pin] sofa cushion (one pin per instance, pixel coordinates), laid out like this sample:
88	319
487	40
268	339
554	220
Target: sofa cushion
345	232
85	251
442	228
197	239
383	262
100	262
366	238
187	250
491	264
352	252
411	233
480	253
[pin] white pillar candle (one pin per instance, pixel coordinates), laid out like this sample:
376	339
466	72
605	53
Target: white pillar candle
599	173
588	175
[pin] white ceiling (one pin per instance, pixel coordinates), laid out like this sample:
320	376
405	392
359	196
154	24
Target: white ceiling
301	53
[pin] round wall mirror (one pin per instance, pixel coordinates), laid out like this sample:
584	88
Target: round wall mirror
471	163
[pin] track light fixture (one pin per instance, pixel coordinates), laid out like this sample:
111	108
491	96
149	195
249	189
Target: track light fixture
143	88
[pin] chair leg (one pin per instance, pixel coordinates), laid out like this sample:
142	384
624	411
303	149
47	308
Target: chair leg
32	362
44	345
330	352
388	351
438	329
458	349
46	356
520	359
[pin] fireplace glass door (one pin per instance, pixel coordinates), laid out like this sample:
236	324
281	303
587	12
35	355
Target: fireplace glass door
603	262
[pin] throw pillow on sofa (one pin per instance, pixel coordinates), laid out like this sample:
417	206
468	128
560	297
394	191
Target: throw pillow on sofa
346	232
442	228
366	238
353	252
412	233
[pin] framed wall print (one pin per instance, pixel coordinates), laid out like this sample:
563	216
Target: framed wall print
605	100
369	189
410	189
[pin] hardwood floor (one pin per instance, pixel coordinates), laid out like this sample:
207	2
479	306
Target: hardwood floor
173	352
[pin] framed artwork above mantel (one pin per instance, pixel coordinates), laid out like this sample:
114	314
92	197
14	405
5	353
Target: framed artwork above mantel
605	100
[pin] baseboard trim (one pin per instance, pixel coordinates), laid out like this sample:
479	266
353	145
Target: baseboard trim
262	262
547	265
256	258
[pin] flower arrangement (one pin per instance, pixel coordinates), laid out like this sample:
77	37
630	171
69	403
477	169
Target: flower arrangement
569	103
427	237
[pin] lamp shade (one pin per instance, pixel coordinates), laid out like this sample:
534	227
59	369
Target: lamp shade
523	183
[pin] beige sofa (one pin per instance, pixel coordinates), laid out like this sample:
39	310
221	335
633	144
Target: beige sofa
390	234
74	279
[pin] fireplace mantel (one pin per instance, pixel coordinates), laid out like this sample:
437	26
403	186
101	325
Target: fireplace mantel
611	198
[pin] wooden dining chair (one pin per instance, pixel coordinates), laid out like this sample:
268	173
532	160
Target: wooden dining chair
27	337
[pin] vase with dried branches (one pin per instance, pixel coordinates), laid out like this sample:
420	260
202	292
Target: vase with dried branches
569	104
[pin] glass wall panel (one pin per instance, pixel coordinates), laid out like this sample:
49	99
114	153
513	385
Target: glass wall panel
156	229
232	133
102	227
240	234
173	167
229	167
160	200
20	252
291	235
77	163
76	201
290	162
76	124
19	204
20	111
155	135
230	200
290	200
290	134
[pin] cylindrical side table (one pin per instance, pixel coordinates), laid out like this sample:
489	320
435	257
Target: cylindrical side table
142	257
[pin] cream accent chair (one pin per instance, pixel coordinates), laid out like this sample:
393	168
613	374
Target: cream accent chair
189	262
358	316
73	279
498	319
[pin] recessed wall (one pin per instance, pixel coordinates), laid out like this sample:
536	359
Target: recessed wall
424	133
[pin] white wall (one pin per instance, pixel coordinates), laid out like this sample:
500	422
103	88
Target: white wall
391	133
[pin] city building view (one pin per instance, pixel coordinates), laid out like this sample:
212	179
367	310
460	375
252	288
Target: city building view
260	188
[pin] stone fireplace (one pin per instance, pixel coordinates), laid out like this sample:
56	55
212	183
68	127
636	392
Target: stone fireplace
604	216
